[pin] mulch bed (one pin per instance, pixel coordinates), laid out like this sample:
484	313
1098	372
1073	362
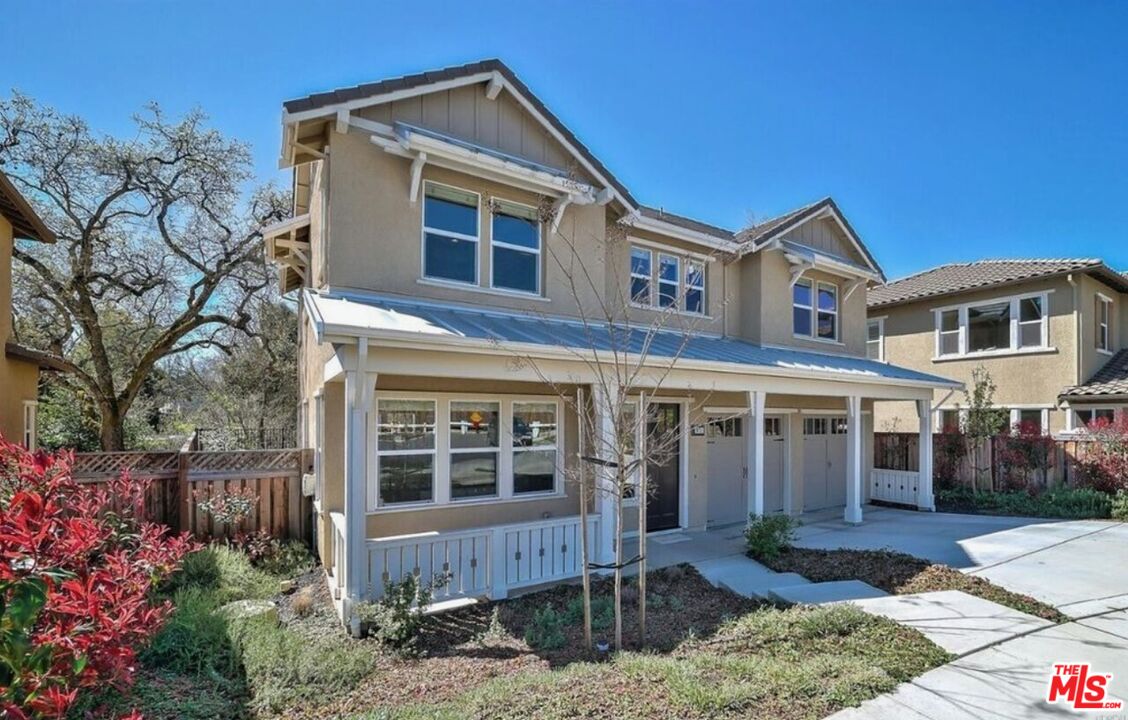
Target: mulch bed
901	574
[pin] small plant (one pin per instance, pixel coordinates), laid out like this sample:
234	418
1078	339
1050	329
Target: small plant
766	537
304	602
546	632
495	631
1119	510
227	507
602	609
396	619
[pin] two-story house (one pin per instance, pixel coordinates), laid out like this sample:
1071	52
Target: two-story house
1051	333
438	220
19	366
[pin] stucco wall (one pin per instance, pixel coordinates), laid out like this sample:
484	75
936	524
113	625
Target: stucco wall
19	380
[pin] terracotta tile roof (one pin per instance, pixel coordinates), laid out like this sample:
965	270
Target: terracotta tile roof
25	221
959	277
1111	379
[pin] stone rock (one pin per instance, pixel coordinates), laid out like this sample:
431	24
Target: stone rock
286	586
247	609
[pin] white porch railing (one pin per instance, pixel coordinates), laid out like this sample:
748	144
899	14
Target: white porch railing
896	486
338	549
488	561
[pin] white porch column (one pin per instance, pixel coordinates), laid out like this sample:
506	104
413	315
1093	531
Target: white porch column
603	439
754	452
360	386
925	499
854	462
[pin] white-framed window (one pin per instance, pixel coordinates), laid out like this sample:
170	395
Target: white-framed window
669	273
828	311
515	247
875	339
642	269
995	327
30	419
535	432
1032	419
450	234
816	426
474	448
1104	323
405	451
803	307
948	421
695	287
1090	416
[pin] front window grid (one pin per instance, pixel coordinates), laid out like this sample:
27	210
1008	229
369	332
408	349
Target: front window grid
408	426
520	216
437	239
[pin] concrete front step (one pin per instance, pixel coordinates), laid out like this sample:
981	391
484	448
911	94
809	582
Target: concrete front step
808	593
760	587
744	576
958	622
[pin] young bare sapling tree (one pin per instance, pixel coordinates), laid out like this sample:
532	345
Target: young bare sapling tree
626	356
983	420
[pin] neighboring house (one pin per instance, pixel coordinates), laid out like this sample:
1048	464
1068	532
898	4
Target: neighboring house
1052	334
427	213
19	366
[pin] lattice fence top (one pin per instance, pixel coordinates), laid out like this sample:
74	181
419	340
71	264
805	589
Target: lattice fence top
256	461
139	464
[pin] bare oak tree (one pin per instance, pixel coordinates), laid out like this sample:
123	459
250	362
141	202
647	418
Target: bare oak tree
158	249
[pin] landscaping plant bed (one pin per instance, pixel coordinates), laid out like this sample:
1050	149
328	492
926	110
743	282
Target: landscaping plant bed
901	574
1057	503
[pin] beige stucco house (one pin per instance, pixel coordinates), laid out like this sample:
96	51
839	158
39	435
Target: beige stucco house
436	217
1052	334
19	366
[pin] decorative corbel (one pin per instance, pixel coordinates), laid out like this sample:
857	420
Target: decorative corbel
417	175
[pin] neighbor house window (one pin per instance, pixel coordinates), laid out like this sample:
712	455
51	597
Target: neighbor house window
949	421
999	326
450	234
1104	322
534	447
694	287
875	339
515	242
405	451
474	449
641	269
30	413
668	275
1028	420
1092	416
802	307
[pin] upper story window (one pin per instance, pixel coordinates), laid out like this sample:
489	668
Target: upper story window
875	339
994	327
1104	322
815	310
515	244
450	234
684	292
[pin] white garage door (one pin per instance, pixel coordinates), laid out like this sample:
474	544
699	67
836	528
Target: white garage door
728	476
824	462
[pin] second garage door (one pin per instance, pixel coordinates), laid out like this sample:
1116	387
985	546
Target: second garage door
824	462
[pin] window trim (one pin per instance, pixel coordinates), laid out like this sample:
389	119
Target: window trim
880	321
476	239
1015	335
440	496
684	259
649	303
517	248
1104	306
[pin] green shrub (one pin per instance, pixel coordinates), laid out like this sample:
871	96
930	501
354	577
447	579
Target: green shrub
396	618
1119	510
546	632
227	572
768	536
602	612
289	559
1058	502
194	641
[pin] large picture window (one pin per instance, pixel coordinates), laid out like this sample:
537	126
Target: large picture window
405	451
1015	324
534	447
474	449
450	234
988	327
515	242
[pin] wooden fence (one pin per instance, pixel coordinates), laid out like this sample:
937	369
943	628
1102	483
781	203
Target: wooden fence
976	464
181	480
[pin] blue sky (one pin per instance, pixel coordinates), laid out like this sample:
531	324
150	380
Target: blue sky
945	130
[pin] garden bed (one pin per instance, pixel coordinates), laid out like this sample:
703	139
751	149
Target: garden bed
901	574
1060	503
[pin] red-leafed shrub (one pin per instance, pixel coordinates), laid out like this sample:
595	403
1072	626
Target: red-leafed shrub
77	569
1104	464
1026	456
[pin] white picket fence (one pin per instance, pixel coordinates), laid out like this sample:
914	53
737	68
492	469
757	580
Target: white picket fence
483	562
896	486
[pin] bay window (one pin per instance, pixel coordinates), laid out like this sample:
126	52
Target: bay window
515	244
1006	325
534	447
405	451
450	234
474	449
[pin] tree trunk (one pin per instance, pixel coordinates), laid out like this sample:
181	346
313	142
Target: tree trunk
643	491
112	429
584	552
619	558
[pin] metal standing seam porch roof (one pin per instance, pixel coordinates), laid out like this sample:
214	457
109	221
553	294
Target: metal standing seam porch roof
362	315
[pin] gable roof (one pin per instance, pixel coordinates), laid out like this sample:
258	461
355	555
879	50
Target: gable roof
686	222
955	278
760	234
1110	380
25	221
357	94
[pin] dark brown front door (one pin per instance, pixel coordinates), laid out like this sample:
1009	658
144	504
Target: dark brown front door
664	479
